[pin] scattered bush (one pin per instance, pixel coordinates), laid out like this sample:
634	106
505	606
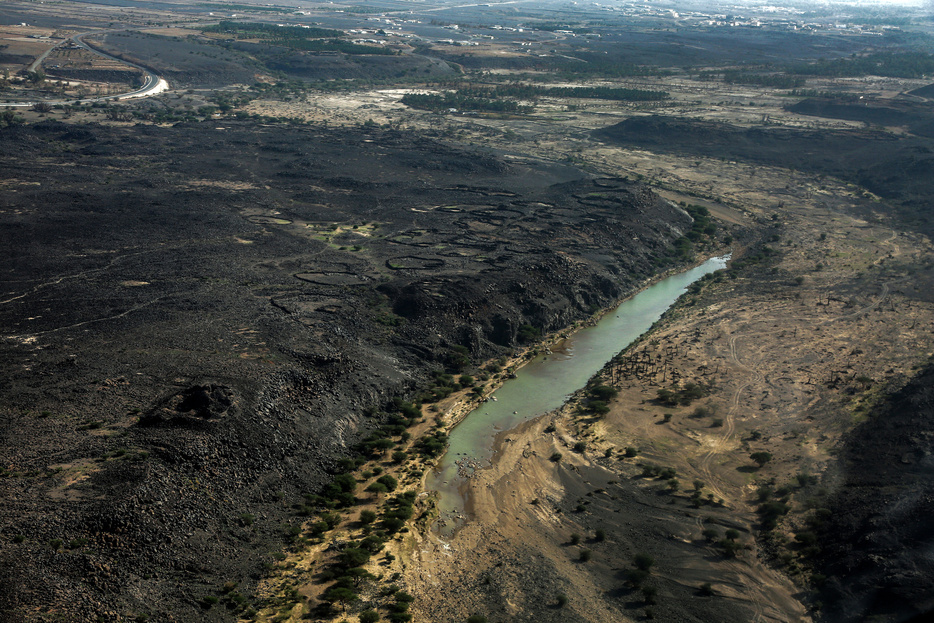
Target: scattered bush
527	333
648	594
604	392
369	616
432	445
635	577
598	407
761	458
682	395
340	594
388	481
730	548
377	488
643	562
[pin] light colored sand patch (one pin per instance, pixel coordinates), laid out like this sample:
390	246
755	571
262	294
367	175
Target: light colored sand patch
225	184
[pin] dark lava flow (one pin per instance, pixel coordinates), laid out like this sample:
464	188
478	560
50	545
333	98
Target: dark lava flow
193	320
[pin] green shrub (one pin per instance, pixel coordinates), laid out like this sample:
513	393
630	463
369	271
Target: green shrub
761	458
730	548
635	577
527	333
598	406
604	392
649	593
643	562
377	488
369	616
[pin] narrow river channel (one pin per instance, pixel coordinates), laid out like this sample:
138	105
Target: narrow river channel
546	382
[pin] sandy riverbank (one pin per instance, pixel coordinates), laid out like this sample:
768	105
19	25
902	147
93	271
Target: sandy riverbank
516	555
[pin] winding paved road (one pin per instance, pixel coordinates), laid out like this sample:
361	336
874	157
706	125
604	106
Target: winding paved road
152	85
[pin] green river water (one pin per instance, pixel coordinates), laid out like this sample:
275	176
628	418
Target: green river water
546	382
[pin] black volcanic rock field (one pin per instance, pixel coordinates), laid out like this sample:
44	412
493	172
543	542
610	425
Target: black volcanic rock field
878	541
196	318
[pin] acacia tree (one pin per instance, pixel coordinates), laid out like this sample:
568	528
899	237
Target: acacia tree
761	458
341	595
377	488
